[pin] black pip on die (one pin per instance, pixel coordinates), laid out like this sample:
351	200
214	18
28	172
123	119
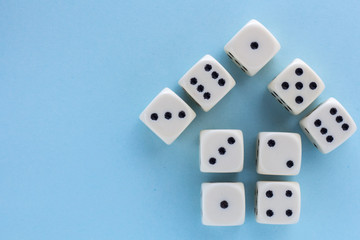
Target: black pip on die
277	202
328	126
296	87
278	153
252	47
207	82
167	115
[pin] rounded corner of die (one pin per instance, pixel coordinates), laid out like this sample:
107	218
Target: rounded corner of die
296	137
253	21
296	111
258	169
242	185
294	173
324	151
182	83
203	132
204	187
262	135
354	126
205	221
296	185
252	73
166	90
298	61
332	99
277	45
302	123
142	117
206	108
296	220
168	141
232	83
207	57
271	85
258	219
203	168
239	134
259	184
193	114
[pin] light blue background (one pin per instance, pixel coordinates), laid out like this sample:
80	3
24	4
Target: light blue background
75	161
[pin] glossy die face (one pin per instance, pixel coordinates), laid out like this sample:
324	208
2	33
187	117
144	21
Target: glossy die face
328	126
167	115
223	204
277	202
278	153
221	150
252	47
207	82
296	87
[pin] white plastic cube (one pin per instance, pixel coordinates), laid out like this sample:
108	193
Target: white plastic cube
328	126
296	87
207	82
278	153
221	150
252	47
167	115
277	202
223	204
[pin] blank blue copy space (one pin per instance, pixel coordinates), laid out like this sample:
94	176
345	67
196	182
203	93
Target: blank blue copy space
75	161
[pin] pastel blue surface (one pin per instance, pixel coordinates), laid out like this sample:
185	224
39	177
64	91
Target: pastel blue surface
76	162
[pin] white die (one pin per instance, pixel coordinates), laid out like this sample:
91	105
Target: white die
296	87
252	47
207	82
277	202
223	204
278	153
328	126
167	115
221	151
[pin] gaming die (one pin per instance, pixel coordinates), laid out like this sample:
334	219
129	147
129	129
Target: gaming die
223	203
221	150
167	115
277	202
252	47
296	87
207	82
328	126
278	153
